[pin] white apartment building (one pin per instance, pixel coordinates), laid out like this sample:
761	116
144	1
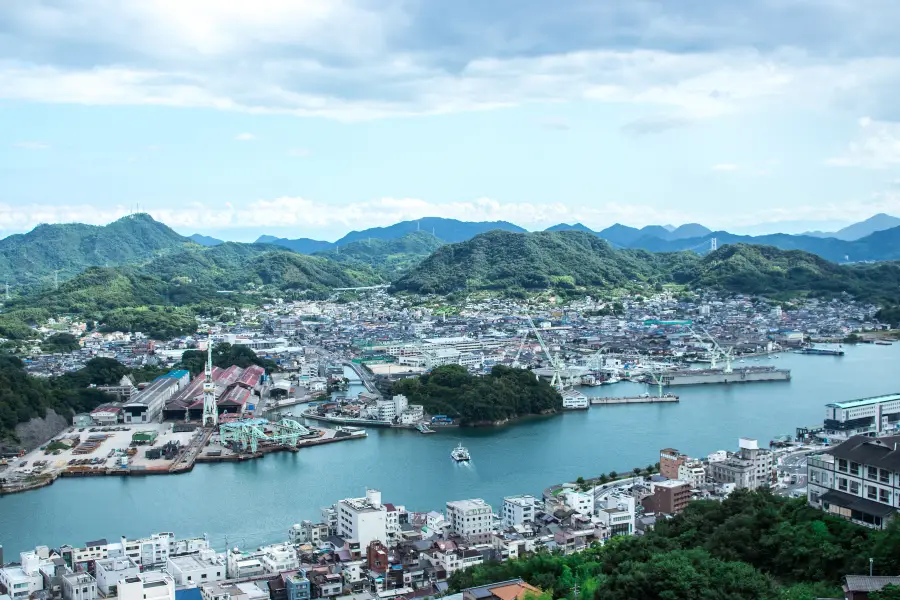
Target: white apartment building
20	582
109	571
858	480
413	414
453	560
78	586
866	416
244	564
471	519
750	468
151	585
362	519
308	532
693	473
518	510
618	516
155	550
580	502
279	558
192	570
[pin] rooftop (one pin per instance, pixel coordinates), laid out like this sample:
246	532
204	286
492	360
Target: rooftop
864	401
881	452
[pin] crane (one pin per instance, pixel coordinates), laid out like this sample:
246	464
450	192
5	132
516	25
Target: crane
555	361
717	351
515	362
210	409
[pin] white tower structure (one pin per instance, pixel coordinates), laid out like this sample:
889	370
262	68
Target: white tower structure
210	410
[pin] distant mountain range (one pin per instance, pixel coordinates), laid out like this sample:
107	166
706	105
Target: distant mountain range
204	240
301	245
857	231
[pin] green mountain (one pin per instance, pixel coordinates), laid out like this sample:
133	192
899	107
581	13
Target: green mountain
500	260
33	258
449	230
301	245
770	271
204	240
389	258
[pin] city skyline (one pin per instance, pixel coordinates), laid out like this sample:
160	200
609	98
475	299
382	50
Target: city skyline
301	119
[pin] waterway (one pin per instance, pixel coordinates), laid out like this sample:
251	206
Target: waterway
255	502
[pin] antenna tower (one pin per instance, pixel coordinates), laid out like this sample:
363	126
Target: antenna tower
210	410
713	244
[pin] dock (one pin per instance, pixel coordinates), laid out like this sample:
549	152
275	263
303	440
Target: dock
635	399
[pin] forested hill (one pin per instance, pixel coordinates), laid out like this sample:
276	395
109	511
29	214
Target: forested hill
391	258
505	261
36	257
513	262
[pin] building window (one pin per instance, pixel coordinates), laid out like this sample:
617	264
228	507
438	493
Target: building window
842	465
884	496
854	487
873	472
842	483
871	492
884	476
854	468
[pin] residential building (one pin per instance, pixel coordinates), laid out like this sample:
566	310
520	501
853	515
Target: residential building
20	582
362	519
78	586
669	462
669	497
191	570
858	587
518	510
92	551
580	502
751	468
858	480
471	519
693	473
110	570
244	564
278	558
515	589
869	416
308	532
151	585
618	516
297	585
232	591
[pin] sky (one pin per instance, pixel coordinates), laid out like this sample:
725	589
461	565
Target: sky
311	118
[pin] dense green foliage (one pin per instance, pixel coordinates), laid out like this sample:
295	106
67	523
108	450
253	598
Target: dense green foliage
23	397
752	545
390	258
448	230
31	259
506	261
768	270
505	393
890	314
224	355
60	342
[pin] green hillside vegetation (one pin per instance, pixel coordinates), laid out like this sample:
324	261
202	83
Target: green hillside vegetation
504	394
31	259
505	261
754	545
224	355
390	258
766	270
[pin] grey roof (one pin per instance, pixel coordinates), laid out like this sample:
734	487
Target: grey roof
881	452
856	503
864	583
100	542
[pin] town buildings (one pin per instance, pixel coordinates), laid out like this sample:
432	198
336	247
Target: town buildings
858	480
363	520
668	497
472	520
750	468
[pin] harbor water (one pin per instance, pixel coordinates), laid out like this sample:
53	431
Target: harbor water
255	502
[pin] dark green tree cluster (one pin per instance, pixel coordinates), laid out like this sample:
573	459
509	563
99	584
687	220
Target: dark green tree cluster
60	342
752	545
505	393
224	355
390	257
23	397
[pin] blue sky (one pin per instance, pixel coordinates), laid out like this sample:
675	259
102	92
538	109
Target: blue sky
312	118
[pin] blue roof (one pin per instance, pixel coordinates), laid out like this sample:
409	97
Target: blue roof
174	374
188	594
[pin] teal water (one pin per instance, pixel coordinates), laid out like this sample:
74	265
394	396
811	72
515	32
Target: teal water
257	501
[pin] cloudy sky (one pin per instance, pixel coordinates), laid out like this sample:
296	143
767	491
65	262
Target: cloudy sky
314	117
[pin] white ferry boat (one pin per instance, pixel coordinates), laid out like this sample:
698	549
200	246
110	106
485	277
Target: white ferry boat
460	454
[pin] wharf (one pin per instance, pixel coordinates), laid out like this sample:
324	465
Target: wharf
306	414
635	399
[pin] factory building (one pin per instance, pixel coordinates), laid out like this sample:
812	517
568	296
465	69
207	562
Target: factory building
147	405
236	388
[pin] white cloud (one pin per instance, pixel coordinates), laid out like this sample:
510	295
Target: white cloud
725	167
878	148
245	137
299	216
31	145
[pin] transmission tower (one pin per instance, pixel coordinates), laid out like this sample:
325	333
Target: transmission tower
713	244
210	410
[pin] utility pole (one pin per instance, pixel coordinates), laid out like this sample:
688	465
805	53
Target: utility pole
56	279
871	563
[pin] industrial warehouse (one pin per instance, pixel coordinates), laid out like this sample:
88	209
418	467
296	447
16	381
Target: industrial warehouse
235	388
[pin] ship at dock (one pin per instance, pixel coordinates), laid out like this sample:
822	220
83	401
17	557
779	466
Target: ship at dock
821	351
725	375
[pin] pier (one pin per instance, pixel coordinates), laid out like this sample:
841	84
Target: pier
635	399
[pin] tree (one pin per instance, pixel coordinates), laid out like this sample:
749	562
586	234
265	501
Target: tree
636	471
580	480
613	475
888	592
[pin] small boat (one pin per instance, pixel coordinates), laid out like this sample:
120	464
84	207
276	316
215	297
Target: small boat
460	454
